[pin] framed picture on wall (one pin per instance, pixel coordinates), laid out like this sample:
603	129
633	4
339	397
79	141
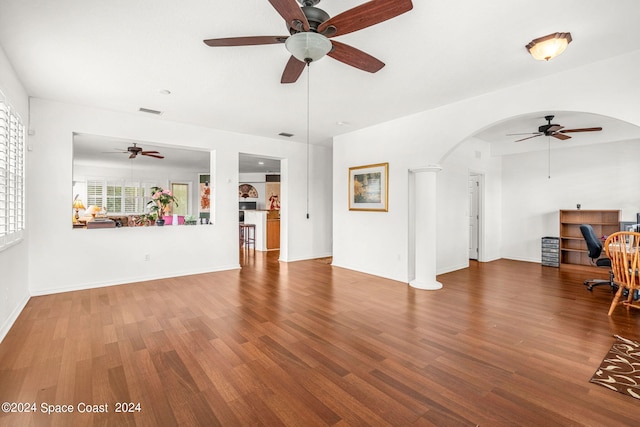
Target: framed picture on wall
369	188
204	209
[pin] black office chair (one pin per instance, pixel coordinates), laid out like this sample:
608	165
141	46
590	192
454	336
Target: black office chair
594	248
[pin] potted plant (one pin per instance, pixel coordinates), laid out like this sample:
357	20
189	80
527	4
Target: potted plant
160	200
139	220
151	218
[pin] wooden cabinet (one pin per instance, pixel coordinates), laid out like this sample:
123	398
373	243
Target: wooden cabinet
273	234
573	249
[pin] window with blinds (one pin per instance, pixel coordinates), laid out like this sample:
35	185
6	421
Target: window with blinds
12	143
133	199
96	193
119	197
114	197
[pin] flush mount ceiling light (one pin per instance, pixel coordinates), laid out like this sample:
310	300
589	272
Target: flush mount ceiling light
308	46
547	47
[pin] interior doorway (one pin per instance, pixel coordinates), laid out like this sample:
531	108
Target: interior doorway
475	187
260	196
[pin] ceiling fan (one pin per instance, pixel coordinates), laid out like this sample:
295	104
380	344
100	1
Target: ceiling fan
135	150
554	130
310	19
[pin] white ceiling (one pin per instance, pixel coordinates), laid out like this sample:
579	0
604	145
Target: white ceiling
94	150
119	55
503	135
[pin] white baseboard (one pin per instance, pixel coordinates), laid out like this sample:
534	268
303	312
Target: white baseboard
6	326
308	257
373	273
450	268
94	285
537	261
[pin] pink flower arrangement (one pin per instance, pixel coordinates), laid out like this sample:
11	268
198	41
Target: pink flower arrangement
160	199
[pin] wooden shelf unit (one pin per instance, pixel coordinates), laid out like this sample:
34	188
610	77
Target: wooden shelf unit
573	249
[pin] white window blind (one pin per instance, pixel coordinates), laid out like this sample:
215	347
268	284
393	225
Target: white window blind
119	197
114	197
96	193
12	142
134	197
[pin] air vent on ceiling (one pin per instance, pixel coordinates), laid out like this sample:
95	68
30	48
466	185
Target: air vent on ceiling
150	111
288	135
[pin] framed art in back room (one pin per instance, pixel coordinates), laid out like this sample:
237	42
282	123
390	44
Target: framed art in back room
204	210
369	188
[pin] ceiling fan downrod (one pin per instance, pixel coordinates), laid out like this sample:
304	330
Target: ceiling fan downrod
308	2
315	17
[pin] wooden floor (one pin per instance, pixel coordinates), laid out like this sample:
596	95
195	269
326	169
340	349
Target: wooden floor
504	343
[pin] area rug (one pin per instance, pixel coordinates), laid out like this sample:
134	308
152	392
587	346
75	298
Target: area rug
620	369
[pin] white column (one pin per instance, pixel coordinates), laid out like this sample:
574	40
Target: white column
425	228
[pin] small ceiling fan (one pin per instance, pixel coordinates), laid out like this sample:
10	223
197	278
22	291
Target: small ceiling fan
135	150
553	130
310	19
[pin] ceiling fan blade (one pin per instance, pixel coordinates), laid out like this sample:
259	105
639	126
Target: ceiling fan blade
292	13
149	152
146	153
582	130
554	128
133	155
529	137
292	70
365	15
245	41
560	136
526	133
354	57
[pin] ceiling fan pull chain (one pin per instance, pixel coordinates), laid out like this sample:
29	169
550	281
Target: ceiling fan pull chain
308	127
549	158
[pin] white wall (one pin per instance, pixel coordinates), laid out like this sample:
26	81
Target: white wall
377	243
520	202
473	155
111	256
601	176
14	292
302	210
372	242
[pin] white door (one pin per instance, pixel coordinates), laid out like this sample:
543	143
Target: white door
474	216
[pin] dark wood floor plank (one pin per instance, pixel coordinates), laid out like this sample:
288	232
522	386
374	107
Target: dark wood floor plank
305	343
342	403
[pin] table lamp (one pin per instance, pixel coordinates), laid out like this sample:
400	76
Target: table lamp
93	210
77	205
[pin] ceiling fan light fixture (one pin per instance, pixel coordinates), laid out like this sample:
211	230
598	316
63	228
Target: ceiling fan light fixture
308	46
548	47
